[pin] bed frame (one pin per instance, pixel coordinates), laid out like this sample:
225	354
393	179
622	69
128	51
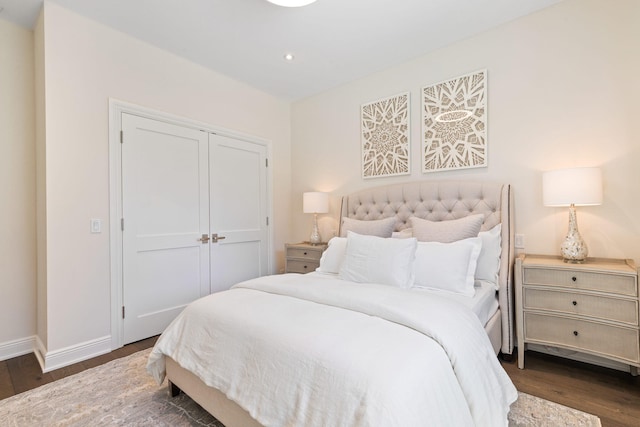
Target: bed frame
445	200
432	200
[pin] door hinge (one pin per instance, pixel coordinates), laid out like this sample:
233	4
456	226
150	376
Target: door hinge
122	224
266	162
267	220
123	311
121	137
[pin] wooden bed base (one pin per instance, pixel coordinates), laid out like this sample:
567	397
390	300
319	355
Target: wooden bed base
230	413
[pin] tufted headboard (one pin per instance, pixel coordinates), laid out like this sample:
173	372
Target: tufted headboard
441	201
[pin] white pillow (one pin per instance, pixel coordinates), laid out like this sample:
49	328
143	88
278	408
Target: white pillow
332	257
378	227
371	259
447	266
489	259
446	231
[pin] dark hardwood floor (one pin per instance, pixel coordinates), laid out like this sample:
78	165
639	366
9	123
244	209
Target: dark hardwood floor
612	395
23	373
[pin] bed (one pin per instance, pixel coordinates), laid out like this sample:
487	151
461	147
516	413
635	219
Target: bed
336	347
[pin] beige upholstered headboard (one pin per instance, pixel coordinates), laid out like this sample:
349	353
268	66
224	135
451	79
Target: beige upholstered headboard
445	200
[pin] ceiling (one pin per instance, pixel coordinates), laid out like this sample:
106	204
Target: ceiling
333	41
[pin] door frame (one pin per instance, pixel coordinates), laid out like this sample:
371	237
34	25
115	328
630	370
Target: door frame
116	109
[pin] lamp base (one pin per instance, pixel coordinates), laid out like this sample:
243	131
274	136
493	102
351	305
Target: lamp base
574	261
574	249
315	238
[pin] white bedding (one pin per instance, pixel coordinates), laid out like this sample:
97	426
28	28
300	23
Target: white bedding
305	350
483	303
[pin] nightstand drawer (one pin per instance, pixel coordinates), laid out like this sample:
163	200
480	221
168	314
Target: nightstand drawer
300	266
311	254
302	257
597	306
619	284
609	341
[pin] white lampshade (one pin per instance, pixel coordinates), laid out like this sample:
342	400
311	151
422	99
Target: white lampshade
578	186
315	202
291	3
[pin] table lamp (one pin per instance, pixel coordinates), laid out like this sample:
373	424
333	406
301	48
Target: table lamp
315	202
572	187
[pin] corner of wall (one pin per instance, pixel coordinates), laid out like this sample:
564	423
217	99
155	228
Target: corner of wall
41	223
51	360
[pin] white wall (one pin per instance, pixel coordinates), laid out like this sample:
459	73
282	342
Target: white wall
17	191
562	92
85	64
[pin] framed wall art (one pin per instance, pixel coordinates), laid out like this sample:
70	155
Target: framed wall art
454	123
385	137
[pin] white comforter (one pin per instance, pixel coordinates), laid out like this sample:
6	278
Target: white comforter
298	350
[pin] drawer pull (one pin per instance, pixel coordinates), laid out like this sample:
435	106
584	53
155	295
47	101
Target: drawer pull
304	253
305	267
574	278
575	302
575	333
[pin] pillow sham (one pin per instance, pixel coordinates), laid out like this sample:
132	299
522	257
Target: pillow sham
447	266
372	259
446	231
379	227
332	257
489	260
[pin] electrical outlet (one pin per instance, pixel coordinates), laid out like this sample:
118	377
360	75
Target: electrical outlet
519	244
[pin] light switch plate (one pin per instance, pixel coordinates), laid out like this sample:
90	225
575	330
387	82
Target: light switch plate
519	243
96	226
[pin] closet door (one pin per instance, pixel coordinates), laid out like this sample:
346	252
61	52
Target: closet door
165	199
238	214
195	220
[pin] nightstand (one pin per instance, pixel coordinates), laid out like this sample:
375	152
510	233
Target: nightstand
590	308
302	257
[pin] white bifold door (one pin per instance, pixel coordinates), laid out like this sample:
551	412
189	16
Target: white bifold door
194	207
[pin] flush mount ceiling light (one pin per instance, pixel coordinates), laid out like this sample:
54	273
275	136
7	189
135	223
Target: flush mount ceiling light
288	57
291	3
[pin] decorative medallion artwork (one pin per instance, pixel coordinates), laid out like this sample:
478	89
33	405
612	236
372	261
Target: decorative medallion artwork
385	137
454	125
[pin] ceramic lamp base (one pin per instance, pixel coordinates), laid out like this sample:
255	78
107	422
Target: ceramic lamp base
315	238
573	249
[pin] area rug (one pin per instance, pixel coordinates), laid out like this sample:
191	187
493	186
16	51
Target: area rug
121	393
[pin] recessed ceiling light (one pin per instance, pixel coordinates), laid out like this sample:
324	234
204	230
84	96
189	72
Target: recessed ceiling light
291	3
288	57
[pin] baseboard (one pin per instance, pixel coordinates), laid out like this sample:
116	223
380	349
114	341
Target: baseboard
51	360
17	347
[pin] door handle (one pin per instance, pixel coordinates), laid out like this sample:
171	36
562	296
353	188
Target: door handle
204	238
215	238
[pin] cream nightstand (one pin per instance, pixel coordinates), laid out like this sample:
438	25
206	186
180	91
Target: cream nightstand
302	257
590	308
